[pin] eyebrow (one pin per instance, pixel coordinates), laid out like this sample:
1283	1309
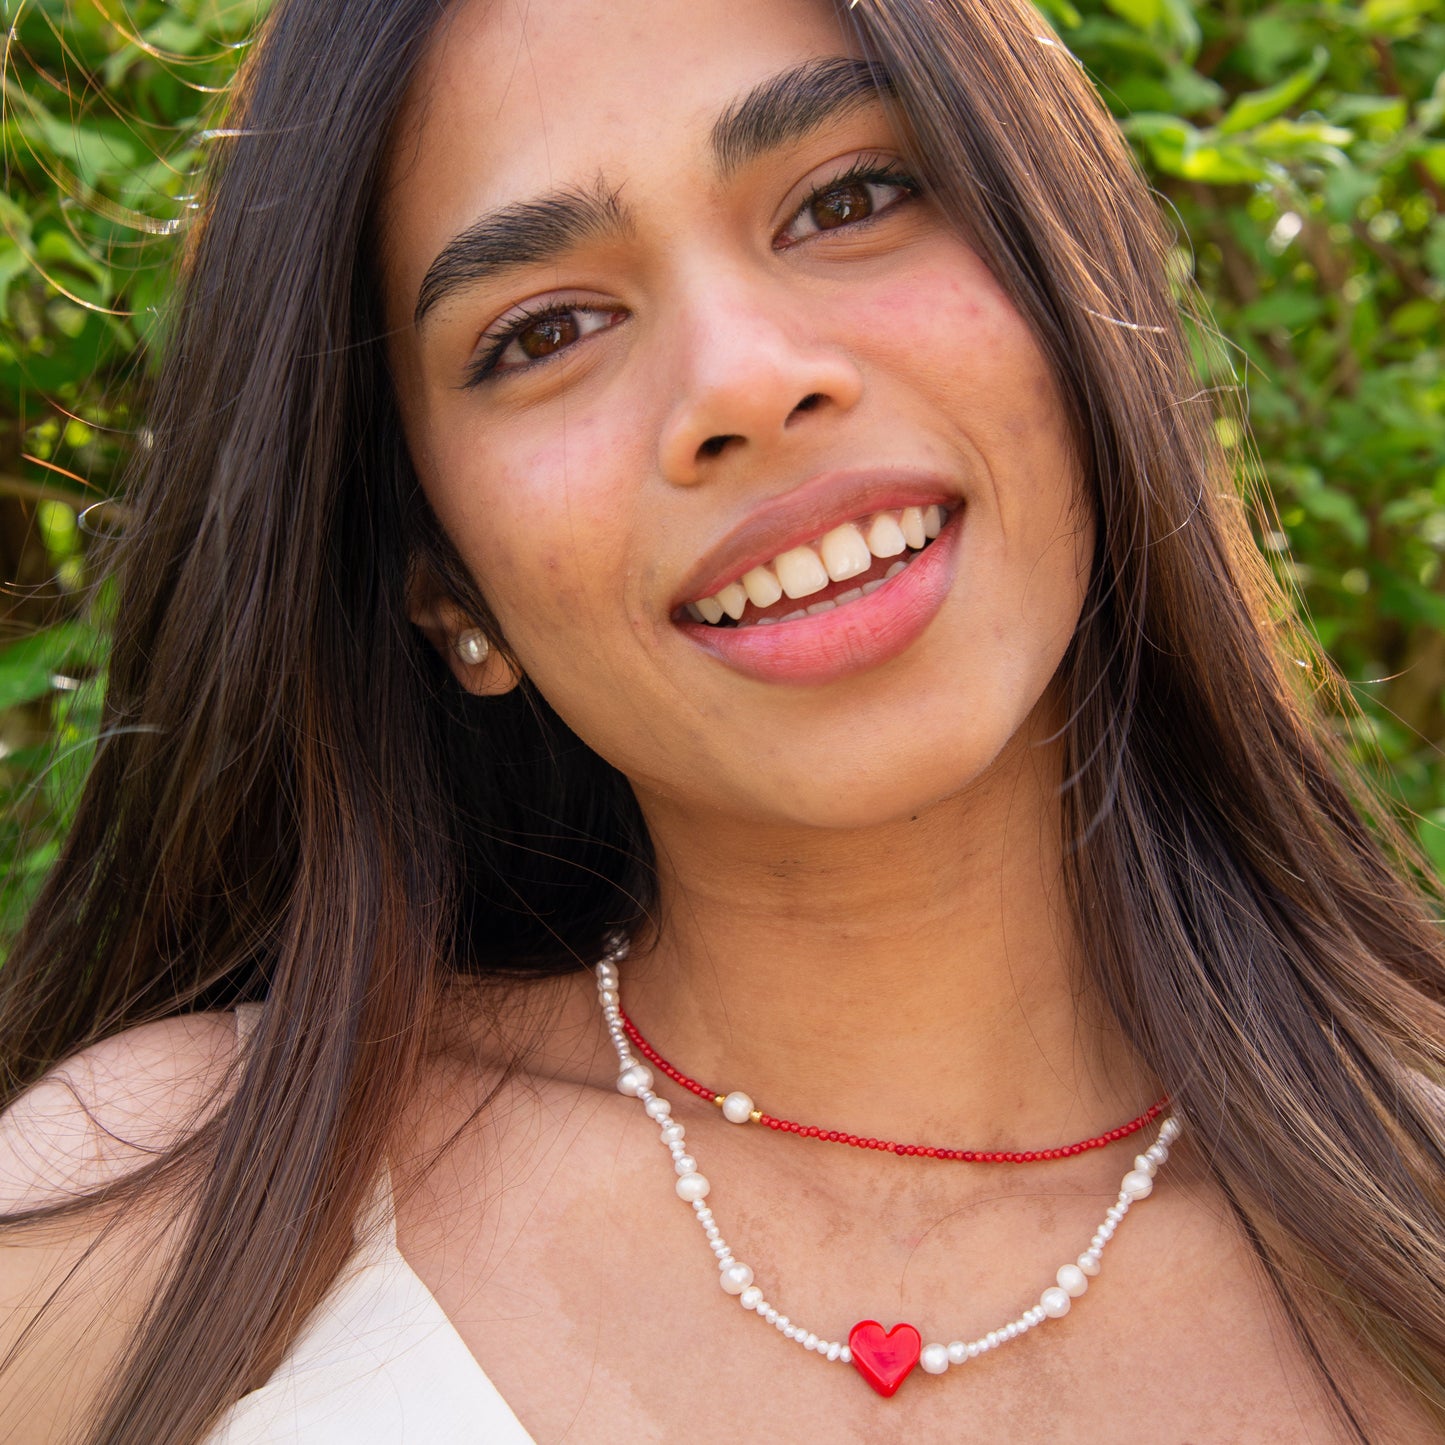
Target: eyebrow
522	234
793	104
780	110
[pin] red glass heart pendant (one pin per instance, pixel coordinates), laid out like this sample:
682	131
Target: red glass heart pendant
884	1360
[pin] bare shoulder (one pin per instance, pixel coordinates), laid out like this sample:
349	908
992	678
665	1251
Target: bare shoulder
74	1287
104	1111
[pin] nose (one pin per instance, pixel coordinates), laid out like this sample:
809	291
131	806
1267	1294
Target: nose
750	369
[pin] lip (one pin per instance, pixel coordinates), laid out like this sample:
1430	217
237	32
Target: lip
805	514
849	639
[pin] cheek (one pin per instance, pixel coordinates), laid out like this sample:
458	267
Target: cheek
950	331
541	524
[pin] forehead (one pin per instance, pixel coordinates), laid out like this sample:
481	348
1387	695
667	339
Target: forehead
516	97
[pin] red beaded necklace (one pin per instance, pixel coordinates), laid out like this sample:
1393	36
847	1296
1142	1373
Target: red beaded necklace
928	1151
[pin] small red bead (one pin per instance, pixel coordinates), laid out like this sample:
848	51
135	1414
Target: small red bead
1099	1141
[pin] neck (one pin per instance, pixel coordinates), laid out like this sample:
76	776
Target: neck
917	980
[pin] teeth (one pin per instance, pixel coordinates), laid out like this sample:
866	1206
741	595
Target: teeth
762	587
851	595
733	599
794	616
818	607
893	571
845	553
885	536
801	572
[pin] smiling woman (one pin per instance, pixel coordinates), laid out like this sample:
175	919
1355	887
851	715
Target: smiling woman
708	501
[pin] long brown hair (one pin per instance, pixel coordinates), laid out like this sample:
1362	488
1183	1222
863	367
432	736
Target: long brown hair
291	801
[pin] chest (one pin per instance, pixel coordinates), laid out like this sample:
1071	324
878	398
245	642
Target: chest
590	1297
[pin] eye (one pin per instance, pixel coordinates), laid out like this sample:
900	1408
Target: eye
525	339
859	195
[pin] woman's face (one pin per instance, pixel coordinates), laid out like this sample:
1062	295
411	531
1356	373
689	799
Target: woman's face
675	330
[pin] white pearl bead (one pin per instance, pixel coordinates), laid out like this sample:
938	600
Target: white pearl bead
1089	1263
693	1186
751	1297
633	1078
737	1107
736	1278
834	1350
1159	1153
846	1355
608	997
783	1322
1072	1280
1168	1131
685	1164
810	1341
673	1133
658	1108
1055	1303
934	1359
1137	1185
1143	1164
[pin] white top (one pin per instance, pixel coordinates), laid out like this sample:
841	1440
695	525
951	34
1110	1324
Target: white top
377	1363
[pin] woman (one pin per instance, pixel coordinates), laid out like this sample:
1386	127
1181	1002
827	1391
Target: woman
537	365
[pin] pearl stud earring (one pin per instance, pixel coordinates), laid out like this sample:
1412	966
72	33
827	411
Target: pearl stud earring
472	647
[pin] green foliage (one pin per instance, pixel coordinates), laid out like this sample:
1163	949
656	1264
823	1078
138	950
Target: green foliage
1302	148
1300	145
103	130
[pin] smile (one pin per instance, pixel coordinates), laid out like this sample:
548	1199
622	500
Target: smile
866	552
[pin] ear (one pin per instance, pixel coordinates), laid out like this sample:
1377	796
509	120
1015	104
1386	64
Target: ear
449	629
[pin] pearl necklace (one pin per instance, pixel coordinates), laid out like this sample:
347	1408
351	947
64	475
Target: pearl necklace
883	1358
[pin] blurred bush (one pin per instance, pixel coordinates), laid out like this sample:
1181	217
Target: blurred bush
106	104
1301	147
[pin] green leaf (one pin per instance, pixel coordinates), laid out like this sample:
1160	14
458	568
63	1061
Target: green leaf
1284	307
1417	317
28	667
1259	106
1345	188
1432	837
1395	17
1170	20
1060	14
1190	92
1181	149
1339	508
